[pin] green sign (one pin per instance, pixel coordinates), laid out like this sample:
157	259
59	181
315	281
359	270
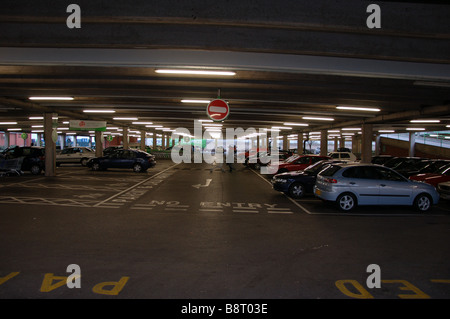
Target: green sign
109	138
24	136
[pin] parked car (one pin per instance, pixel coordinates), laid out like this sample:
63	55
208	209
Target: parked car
33	157
299	162
349	185
444	190
381	159
111	149
343	156
297	184
263	159
425	166
399	163
76	154
138	160
441	175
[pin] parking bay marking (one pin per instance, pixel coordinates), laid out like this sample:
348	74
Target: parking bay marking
122	201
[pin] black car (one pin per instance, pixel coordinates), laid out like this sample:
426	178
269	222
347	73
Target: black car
381	159
33	157
111	149
138	160
425	166
403	164
297	183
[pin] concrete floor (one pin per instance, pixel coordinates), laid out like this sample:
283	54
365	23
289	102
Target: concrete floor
181	231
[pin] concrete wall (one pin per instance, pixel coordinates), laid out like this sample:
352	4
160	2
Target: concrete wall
401	148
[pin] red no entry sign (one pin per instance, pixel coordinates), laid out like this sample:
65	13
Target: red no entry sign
218	110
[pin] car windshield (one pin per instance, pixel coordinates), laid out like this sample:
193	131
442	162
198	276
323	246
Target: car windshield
291	159
316	167
444	169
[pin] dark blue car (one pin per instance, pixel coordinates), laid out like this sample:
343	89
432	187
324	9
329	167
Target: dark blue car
138	160
297	183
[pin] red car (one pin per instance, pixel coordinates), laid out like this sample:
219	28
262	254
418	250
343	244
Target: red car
299	162
442	175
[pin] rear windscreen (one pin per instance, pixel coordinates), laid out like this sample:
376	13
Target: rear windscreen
330	170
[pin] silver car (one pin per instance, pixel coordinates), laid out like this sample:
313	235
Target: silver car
77	154
349	185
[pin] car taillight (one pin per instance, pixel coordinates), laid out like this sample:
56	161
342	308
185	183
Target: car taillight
330	180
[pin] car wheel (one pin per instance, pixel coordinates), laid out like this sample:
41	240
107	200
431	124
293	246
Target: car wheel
95	166
35	169
137	168
346	202
296	190
422	203
84	161
257	166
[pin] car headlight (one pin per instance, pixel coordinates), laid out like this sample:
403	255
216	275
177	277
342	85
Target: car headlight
280	180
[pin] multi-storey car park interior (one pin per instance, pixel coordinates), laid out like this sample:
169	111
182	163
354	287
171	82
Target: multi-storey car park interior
309	77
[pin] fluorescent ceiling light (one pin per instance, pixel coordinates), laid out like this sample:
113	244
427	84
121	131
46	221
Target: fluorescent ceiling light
318	118
36	126
415	129
425	121
8	123
125	118
195	101
334	131
14	129
386	131
99	111
448	126
354	108
154	126
282	127
51	98
143	123
194	72
62	128
37	131
351	129
36	118
295	124
209	121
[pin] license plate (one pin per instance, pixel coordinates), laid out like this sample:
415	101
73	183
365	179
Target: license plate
318	192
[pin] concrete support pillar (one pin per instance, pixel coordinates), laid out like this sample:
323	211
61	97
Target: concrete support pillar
335	148
98	143
125	138
50	146
300	143
163	142
378	145
342	142
412	144
285	142
8	139
154	141
366	143
323	142
143	140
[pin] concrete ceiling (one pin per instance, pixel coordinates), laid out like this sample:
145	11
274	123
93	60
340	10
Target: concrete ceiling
291	58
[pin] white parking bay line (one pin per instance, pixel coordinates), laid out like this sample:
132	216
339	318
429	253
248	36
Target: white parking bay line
134	186
293	201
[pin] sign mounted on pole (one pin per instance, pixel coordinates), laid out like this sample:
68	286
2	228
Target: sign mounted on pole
218	110
80	125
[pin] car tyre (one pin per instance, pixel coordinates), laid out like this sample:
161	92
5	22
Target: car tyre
95	166
35	169
346	202
84	161
137	168
297	190
423	202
